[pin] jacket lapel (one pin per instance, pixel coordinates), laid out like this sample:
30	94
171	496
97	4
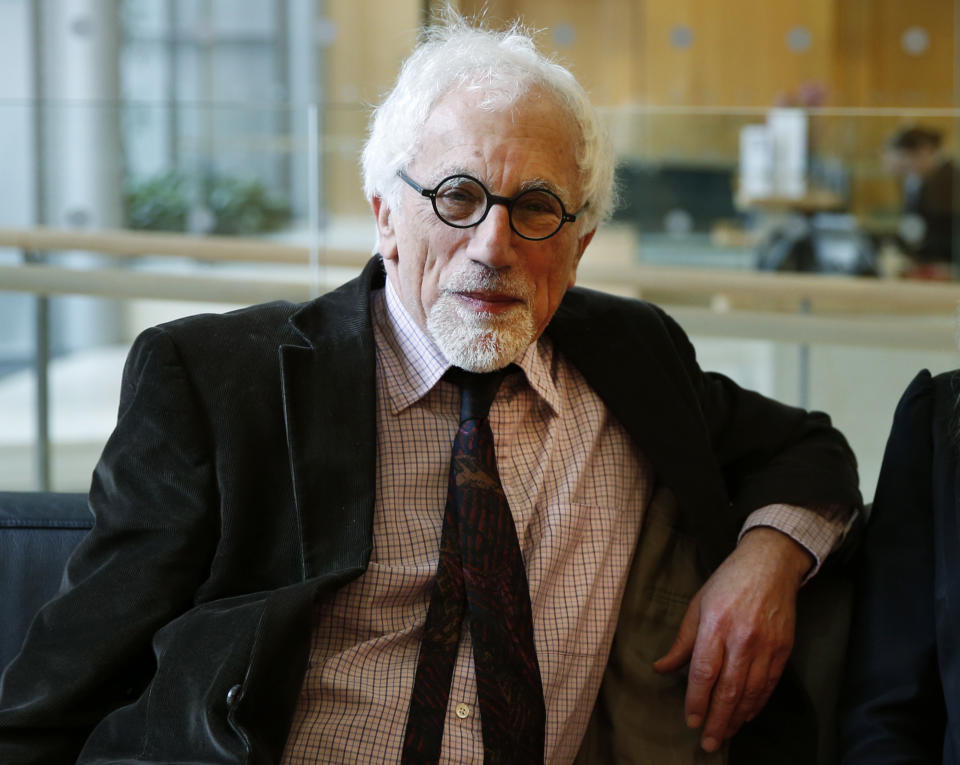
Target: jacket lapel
329	400
644	385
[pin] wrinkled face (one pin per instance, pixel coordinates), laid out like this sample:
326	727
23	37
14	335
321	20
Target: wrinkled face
485	293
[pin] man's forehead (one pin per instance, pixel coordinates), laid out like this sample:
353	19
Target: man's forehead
465	135
444	171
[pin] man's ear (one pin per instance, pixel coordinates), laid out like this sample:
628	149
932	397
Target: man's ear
387	237
581	246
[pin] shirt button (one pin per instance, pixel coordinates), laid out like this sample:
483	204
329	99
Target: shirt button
463	711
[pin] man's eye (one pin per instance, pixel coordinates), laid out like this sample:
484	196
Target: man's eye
458	196
460	201
538	203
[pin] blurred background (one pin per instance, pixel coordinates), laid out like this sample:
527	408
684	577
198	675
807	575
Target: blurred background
785	168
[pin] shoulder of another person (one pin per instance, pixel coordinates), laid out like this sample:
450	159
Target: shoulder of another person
928	409
926	388
944	382
944	389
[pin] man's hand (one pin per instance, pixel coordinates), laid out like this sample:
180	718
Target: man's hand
737	633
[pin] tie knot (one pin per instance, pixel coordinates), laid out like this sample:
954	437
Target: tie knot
477	389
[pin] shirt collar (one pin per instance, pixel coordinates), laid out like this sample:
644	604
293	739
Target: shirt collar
539	367
411	360
413	364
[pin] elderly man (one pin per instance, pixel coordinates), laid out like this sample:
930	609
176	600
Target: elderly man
399	523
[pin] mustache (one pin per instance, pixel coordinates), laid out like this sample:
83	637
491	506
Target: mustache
482	279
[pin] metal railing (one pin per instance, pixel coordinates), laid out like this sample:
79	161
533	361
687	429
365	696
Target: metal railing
790	308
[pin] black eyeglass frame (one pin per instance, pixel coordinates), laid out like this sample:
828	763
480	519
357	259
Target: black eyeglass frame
492	199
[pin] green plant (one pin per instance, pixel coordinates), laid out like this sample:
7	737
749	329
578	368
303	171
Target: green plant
232	205
244	207
157	204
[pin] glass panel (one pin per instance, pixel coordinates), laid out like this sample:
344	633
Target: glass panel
206	139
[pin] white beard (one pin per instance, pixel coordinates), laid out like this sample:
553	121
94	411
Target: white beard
482	341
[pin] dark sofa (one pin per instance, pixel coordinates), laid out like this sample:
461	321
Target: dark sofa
38	531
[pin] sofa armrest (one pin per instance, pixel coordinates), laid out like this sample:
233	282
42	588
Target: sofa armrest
38	531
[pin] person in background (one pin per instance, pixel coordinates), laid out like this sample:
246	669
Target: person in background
403	522
929	179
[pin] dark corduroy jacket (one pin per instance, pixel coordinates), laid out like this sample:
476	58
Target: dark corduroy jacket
238	490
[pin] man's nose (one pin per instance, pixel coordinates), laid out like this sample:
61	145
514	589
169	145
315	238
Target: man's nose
492	240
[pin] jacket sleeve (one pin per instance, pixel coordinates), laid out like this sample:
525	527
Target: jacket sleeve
769	452
894	709
88	651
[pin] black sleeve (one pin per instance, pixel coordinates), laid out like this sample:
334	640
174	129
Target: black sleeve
893	702
771	452
89	650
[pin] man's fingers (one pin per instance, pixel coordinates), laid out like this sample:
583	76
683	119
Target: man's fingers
705	667
724	701
741	691
756	691
777	664
682	648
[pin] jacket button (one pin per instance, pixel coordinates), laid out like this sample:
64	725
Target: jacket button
232	695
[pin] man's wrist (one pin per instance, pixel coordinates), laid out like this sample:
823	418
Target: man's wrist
817	531
789	555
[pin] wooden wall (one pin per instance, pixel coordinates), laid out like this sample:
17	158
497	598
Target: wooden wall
373	38
871	67
739	51
687	54
872	70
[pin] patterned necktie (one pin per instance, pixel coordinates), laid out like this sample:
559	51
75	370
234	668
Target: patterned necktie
481	571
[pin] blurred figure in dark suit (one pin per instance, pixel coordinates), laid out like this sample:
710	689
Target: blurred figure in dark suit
929	179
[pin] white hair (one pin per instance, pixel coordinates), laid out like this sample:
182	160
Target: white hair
503	66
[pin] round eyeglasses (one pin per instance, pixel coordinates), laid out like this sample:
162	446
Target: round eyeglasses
462	201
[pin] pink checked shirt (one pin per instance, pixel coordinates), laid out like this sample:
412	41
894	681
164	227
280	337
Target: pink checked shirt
577	488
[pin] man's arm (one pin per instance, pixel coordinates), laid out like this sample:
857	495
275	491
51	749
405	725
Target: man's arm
89	650
738	631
